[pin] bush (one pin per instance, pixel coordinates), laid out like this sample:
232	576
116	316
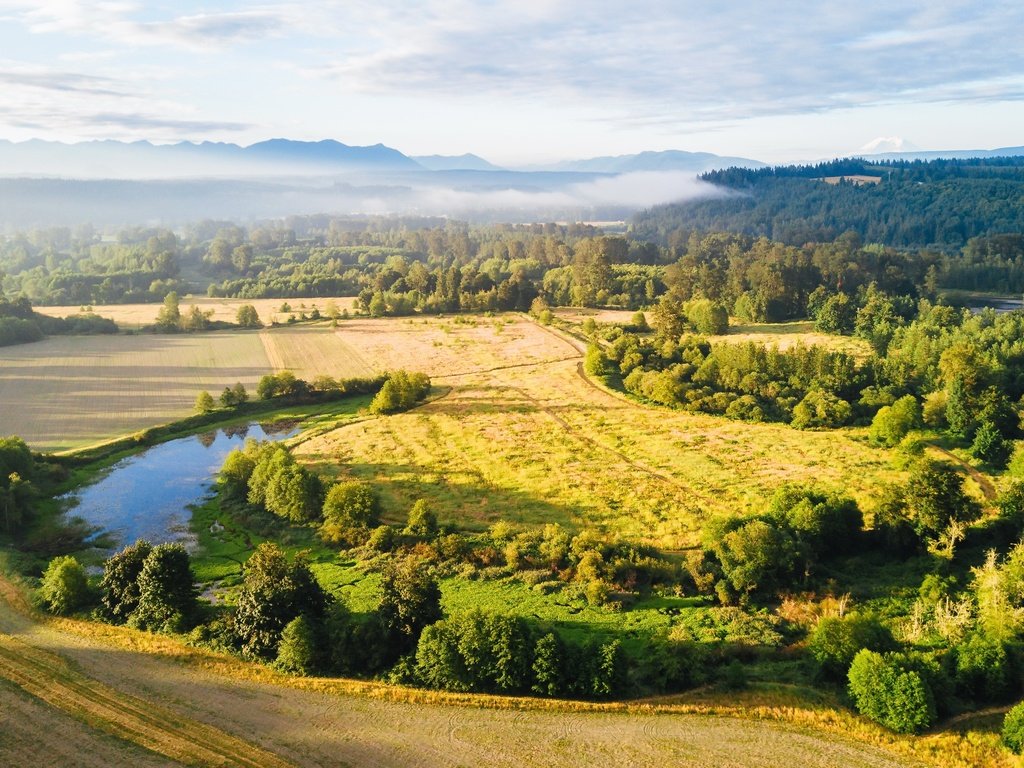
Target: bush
167	593
297	653
836	641
892	422
990	446
352	503
400	392
891	692
982	669
65	587
1013	729
422	521
120	584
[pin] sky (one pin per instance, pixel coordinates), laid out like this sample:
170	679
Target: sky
521	82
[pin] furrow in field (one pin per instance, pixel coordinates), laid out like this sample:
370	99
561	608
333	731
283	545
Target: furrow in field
49	678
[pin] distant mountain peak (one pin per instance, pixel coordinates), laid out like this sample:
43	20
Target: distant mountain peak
464	162
882	144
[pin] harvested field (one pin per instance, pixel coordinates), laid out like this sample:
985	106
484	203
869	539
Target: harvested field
66	392
197	706
520	430
131	316
313	350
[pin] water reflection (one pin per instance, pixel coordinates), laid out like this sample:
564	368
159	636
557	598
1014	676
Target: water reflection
146	496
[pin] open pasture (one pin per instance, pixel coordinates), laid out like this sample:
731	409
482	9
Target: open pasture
519	434
134	316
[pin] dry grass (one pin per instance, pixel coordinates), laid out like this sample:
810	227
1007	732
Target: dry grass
67	392
216	700
312	350
136	315
786	335
523	436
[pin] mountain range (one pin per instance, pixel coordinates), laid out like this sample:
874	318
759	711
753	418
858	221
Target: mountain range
284	157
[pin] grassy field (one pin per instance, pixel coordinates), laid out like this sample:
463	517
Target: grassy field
133	316
521	435
133	697
68	392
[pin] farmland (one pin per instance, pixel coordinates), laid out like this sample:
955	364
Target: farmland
214	710
519	431
67	392
134	316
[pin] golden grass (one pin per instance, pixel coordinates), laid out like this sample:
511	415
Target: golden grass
764	726
786	335
131	316
66	392
523	436
312	350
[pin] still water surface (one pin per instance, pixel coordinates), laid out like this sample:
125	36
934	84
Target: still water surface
146	496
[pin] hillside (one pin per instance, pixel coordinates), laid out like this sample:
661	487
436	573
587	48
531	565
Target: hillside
938	204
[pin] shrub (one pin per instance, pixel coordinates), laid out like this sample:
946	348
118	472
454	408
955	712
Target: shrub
120	584
352	503
167	593
400	392
65	587
422	520
1013	729
836	641
297	652
889	691
892	422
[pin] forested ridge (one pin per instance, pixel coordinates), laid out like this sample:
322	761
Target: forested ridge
937	204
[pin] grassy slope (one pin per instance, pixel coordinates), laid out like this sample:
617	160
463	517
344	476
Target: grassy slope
522	436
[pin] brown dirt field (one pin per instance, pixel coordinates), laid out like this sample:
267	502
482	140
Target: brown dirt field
136	315
186	694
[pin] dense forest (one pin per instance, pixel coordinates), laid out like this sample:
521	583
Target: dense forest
939	204
398	267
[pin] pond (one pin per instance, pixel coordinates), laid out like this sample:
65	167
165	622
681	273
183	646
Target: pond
147	496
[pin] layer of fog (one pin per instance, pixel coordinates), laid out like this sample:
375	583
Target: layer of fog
480	197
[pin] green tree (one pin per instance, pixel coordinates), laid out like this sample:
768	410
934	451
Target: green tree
935	497
120	583
248	317
274	591
892	422
65	587
168	319
422	521
352	504
820	408
990	446
707	317
204	402
548	675
410	601
167	592
298	652
835	641
887	690
293	493
1013	729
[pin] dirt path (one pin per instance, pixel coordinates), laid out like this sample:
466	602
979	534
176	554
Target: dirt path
983	482
200	709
